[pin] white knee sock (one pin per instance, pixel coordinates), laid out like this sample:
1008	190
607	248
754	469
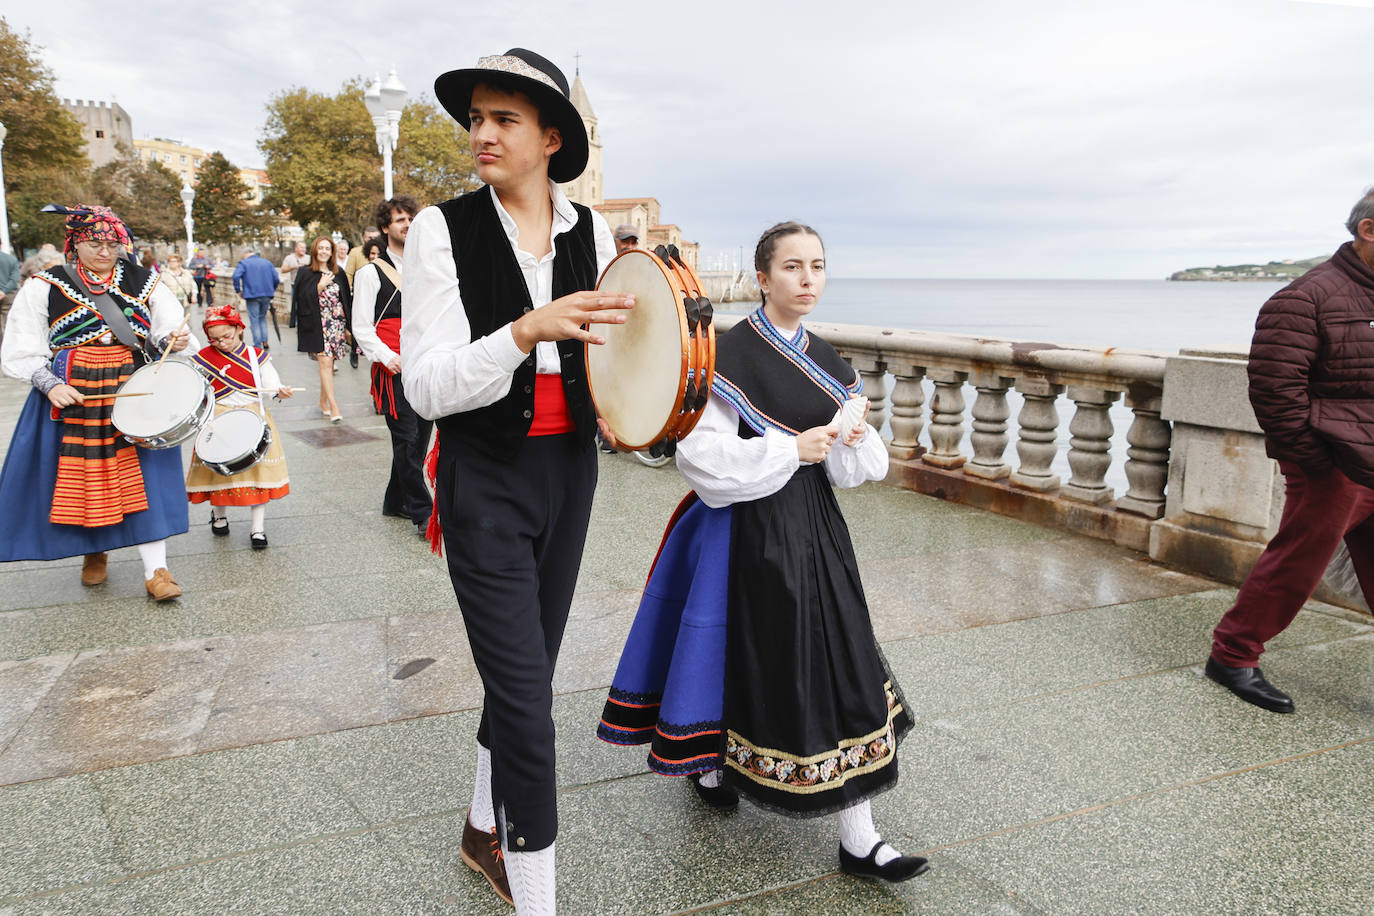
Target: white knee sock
154	554
532	883
858	836
480	815
219	512
259	514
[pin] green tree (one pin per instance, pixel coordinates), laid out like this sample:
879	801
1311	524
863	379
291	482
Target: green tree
322	158
146	195
45	158
223	208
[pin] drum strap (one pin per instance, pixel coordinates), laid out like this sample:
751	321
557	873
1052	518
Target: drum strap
109	312
257	380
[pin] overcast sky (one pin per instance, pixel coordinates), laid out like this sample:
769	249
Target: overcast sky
979	138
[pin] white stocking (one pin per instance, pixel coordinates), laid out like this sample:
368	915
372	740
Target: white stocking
712	779
259	514
858	836
219	512
154	554
481	816
532	884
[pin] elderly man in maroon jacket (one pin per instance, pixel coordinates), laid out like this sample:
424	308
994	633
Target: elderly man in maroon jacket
1312	387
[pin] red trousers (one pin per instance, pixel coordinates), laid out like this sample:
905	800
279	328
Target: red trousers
1317	514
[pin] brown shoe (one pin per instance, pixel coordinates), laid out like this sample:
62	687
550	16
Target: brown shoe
481	852
162	586
93	568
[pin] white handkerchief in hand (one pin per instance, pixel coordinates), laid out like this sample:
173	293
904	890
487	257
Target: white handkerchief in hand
850	416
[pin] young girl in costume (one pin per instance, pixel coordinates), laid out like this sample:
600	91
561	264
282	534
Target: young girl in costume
229	364
752	667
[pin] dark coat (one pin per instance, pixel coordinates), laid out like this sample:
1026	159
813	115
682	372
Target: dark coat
305	300
1312	369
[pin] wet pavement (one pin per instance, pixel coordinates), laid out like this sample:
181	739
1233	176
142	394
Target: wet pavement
295	734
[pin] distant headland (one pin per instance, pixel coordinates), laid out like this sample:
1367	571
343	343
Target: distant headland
1274	270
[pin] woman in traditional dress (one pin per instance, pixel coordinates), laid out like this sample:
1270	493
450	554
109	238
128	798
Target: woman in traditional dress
241	376
72	485
323	308
752	666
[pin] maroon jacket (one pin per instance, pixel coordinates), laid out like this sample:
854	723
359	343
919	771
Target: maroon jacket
1312	369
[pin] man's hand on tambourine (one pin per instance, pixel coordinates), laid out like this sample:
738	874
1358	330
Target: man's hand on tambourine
562	319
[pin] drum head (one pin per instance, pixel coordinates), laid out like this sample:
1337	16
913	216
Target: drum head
176	391
638	377
230	435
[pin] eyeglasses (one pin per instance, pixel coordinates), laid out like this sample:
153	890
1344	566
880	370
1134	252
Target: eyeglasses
103	247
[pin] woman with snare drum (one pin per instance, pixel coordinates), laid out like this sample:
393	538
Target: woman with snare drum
73	485
229	363
752	667
323	307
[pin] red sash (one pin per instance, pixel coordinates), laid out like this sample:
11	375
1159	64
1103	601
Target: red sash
228	371
383	389
551	414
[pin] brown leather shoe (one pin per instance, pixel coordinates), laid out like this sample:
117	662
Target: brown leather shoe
162	586
481	852
93	568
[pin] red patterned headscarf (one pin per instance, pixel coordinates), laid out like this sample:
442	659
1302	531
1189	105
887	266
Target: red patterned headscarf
94	224
222	314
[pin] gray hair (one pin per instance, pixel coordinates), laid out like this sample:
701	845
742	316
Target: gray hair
1361	211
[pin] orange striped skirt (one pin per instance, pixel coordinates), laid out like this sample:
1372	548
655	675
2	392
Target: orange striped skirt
98	477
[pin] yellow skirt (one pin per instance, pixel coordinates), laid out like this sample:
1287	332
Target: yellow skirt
263	481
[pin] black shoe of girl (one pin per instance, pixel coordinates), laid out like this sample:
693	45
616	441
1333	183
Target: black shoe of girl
720	796
219	527
899	869
258	539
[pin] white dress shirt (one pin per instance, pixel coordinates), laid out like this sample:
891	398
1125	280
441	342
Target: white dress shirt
366	283
445	370
26	350
723	468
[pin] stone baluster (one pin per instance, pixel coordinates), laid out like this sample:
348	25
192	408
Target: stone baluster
946	419
1147	458
908	396
1035	445
989	437
1089	445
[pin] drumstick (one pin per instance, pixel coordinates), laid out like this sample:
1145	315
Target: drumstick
120	394
184	321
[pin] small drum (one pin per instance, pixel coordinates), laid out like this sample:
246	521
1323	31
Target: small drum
177	404
234	441
651	378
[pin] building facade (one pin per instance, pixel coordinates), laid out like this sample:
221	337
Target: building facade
105	126
181	159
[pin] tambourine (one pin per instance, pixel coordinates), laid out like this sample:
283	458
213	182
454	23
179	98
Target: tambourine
650	379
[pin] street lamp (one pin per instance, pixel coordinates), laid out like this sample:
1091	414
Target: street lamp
4	211
384	102
188	196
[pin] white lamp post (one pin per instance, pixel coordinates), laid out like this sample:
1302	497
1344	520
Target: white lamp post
188	196
385	102
4	211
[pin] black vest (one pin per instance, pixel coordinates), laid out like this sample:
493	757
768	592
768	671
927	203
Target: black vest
385	288
70	328
494	294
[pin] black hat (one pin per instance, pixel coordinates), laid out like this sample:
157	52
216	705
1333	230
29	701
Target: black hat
539	79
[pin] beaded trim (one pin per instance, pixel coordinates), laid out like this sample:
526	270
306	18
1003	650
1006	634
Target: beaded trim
512	64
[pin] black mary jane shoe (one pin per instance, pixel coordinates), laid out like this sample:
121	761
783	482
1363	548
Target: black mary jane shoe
258	539
219	527
1249	684
901	868
720	796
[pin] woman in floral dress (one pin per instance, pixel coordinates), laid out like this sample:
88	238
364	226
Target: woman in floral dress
323	309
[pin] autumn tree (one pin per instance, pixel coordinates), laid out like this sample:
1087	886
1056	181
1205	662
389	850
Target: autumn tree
322	157
45	158
146	195
223	208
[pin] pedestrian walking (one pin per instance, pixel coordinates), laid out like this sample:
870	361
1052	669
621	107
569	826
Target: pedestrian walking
323	305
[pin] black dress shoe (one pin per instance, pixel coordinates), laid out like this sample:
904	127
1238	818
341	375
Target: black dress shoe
721	796
899	869
258	539
353	358
219	527
1249	684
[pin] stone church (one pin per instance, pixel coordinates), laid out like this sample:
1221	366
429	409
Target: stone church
641	212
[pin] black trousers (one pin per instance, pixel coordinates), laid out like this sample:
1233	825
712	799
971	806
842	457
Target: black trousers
406	493
513	534
207	292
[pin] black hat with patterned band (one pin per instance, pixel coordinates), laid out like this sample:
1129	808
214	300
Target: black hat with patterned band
539	79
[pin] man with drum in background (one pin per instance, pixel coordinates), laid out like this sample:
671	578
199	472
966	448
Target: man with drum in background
626	238
499	284
72	485
377	329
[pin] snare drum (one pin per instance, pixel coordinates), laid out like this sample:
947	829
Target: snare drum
234	441
178	402
651	378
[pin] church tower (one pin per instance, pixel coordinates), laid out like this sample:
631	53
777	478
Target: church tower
587	189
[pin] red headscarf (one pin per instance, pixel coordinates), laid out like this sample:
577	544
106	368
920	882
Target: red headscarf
94	224
222	314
